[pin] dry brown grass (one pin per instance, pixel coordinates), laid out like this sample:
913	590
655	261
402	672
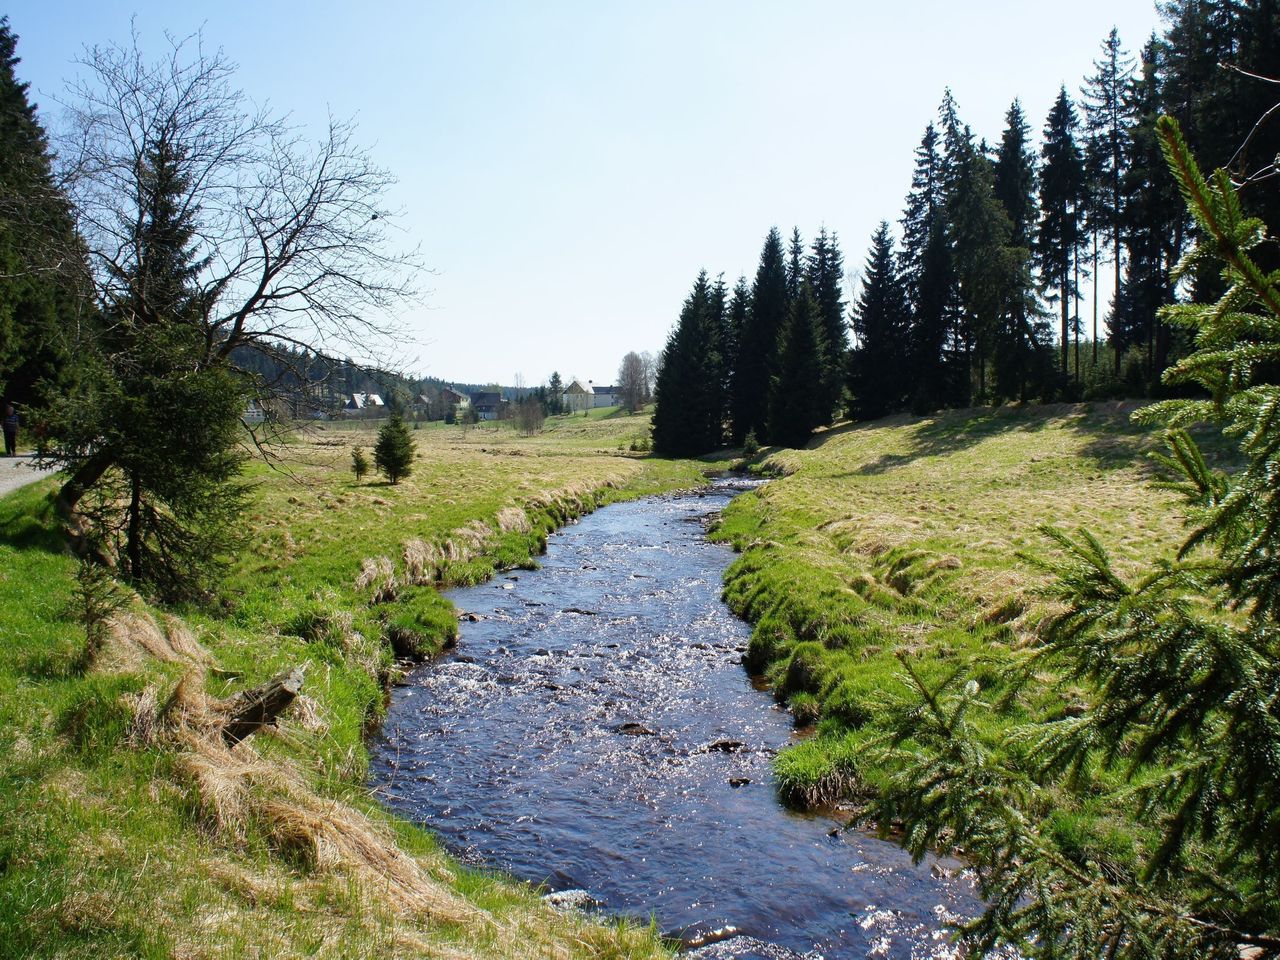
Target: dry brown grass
134	635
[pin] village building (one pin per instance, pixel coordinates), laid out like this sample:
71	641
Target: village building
579	396
364	405
489	406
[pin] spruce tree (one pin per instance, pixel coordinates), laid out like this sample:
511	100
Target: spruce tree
736	319
1020	334
795	264
1175	671
878	375
1107	122
758	343
927	275
688	419
825	273
393	450
795	399
989	271
1061	213
1153	227
168	504
43	297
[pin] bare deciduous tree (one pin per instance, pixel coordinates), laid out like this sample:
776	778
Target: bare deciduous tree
632	382
290	236
530	415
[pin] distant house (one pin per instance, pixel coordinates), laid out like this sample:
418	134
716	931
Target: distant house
605	396
364	405
453	397
254	413
579	396
489	406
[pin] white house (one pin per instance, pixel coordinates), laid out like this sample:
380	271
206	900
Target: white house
364	405
579	396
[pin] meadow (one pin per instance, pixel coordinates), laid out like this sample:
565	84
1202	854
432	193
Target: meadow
129	828
915	542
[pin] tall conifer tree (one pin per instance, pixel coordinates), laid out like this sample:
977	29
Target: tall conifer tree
1152	227
42	295
758	342
1020	335
688	419
795	396
1061	212
988	270
1107	122
825	273
795	264
877	367
926	273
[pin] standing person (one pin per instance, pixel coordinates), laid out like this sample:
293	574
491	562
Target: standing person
10	430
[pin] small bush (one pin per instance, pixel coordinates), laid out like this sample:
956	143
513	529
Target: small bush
817	772
804	708
750	446
359	463
420	625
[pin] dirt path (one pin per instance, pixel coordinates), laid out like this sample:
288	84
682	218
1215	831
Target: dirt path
17	472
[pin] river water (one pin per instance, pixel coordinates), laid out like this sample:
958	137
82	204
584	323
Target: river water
595	730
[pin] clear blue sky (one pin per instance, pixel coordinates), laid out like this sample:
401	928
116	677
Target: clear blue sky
567	168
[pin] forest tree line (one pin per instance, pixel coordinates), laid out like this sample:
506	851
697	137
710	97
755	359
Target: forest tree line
978	299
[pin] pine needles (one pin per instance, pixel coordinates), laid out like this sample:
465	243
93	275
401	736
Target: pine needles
1183	665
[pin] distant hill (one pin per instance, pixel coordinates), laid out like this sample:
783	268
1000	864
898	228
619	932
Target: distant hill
311	382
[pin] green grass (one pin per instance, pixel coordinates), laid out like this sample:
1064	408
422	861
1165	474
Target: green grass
114	842
905	537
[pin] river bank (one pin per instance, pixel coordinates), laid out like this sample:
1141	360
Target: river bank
911	537
595	729
127	833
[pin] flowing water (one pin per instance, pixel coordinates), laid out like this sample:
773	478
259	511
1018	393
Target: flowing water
595	730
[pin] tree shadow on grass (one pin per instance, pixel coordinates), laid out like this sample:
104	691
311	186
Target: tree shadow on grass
28	521
1112	439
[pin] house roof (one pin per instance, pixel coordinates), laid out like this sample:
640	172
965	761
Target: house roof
579	387
359	401
486	399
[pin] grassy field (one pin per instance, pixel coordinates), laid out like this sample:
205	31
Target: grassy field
128	828
910	537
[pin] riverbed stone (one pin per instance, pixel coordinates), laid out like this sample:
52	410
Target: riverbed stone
633	729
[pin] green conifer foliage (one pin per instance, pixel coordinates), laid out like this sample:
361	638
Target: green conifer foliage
1153	229
825	273
1061	212
758	342
1181	665
1108	119
393	450
795	396
1021	335
877	366
688	419
927	274
41	276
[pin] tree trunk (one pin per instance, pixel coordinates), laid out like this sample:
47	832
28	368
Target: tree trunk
1095	302
251	710
133	544
77	485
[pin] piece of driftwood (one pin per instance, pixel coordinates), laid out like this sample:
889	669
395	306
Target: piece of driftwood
251	710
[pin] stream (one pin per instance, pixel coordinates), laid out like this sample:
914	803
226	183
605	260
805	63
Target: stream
595	730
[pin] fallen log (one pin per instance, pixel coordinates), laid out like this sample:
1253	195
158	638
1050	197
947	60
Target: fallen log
251	710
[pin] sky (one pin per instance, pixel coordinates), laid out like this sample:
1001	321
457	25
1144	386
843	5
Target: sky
567	168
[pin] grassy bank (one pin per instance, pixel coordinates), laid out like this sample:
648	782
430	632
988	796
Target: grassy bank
129	828
903	538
